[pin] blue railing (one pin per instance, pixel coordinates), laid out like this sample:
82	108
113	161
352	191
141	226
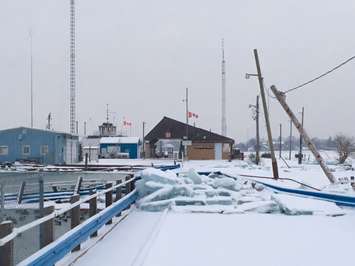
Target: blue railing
55	251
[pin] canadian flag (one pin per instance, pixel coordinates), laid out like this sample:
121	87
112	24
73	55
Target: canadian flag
191	114
127	123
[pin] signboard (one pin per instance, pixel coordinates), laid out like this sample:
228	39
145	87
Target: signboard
187	142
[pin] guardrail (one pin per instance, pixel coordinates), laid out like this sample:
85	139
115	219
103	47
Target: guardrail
52	252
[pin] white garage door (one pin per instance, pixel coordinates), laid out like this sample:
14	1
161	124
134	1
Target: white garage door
218	151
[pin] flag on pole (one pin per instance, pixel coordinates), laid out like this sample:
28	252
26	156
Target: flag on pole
191	114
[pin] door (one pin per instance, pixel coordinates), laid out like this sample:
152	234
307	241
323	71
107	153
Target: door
218	151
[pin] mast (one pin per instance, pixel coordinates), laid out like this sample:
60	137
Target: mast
72	69
31	77
224	118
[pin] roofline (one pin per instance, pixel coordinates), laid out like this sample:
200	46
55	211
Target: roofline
39	129
228	140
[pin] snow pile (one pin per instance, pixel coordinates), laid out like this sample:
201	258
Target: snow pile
218	193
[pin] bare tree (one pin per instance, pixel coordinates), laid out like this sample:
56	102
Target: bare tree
344	146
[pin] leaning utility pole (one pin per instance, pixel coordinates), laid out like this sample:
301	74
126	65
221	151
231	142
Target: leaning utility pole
300	155
290	142
280	142
266	114
281	97
143	139
257	150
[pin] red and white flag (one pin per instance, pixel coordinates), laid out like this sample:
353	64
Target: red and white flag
127	123
191	114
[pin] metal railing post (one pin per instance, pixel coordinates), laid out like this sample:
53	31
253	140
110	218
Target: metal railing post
20	192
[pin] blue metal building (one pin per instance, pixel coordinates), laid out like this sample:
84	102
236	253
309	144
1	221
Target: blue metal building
37	145
120	147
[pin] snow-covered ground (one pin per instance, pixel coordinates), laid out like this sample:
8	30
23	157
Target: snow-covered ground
169	238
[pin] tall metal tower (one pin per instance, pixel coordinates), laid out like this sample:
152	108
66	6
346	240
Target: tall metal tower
224	118
72	68
31	77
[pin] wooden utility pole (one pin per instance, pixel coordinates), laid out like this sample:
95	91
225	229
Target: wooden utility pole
280	142
266	114
187	112
290	142
300	155
257	156
143	139
281	97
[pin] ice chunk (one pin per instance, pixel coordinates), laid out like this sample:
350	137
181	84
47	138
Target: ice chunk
293	205
193	176
226	182
156	205
157	195
259	206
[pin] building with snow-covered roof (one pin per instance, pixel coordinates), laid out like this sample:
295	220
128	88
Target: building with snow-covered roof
38	145
172	138
120	147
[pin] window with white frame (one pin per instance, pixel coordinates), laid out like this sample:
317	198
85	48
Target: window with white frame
26	149
4	150
44	149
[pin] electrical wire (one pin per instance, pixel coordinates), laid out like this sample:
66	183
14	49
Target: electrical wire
321	76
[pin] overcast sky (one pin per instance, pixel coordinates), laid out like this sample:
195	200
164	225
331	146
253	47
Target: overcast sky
139	56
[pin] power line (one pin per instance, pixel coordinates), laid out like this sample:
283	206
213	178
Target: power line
321	76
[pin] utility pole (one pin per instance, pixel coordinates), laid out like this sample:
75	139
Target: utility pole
300	155
49	118
280	142
187	112
84	128
257	156
143	139
266	114
107	116
281	97
290	142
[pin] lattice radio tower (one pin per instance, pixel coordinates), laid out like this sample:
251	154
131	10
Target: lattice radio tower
72	69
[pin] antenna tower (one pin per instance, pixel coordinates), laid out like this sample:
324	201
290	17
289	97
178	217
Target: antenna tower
72	68
31	77
224	119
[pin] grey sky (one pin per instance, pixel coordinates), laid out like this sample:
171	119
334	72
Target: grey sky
138	56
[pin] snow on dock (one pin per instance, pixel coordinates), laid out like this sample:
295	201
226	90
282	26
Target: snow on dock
153	239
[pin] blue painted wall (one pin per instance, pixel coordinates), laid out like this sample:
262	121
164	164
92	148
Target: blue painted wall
132	149
15	138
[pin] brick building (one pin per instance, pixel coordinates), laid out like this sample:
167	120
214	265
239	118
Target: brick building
171	138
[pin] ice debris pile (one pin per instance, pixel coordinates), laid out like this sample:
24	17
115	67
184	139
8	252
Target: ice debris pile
192	192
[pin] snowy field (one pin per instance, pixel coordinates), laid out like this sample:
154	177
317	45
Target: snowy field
220	220
153	239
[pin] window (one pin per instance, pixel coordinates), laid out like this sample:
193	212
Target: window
26	149
44	149
168	135
4	150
